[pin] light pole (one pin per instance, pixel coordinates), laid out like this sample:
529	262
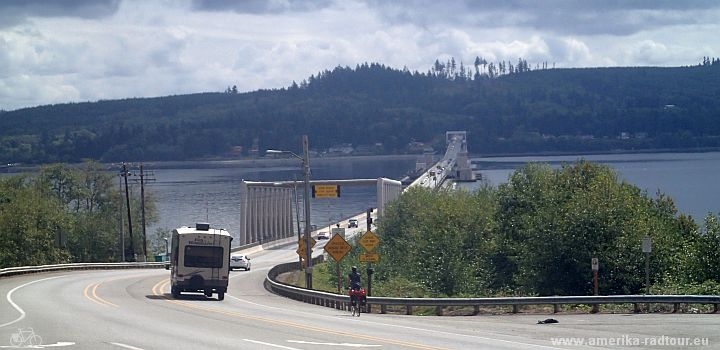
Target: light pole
306	173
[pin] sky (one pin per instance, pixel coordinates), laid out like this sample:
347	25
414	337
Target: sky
88	50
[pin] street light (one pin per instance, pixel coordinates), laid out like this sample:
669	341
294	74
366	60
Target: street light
306	172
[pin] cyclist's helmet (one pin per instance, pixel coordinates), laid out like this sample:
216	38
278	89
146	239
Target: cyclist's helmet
354	268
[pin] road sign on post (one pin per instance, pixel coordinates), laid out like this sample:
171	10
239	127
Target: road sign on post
301	251
338	231
337	247
302	248
369	241
647	249
369	257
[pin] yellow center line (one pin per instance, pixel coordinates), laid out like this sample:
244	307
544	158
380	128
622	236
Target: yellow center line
90	292
160	286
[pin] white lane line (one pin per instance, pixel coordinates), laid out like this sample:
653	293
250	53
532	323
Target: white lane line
18	308
349	345
43	346
126	346
270	344
388	325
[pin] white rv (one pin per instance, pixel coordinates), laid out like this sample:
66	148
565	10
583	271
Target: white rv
200	260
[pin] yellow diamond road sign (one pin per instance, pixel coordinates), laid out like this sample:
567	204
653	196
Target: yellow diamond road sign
301	246
301	251
337	247
369	241
301	242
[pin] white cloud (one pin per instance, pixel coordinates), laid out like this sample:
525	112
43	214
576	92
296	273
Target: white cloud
90	50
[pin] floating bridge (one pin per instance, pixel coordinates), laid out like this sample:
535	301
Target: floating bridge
266	208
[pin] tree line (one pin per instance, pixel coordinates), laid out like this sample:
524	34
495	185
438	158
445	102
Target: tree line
506	107
68	214
536	235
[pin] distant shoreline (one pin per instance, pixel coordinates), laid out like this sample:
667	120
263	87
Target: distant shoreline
578	153
291	161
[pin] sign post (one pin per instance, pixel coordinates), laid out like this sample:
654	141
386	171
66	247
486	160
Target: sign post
595	264
647	249
369	241
337	248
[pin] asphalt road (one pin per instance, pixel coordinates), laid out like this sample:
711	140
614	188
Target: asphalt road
132	309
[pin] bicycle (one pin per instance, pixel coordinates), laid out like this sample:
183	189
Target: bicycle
357	301
25	336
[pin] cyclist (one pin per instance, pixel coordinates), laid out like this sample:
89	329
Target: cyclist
354	279
357	293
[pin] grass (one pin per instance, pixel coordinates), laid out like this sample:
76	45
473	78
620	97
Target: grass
321	282
321	278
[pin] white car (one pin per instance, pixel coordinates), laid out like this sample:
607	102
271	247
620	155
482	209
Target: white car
239	262
323	235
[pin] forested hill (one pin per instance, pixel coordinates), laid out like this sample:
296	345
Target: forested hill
382	110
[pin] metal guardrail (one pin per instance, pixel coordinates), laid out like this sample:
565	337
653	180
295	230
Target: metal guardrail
21	270
339	301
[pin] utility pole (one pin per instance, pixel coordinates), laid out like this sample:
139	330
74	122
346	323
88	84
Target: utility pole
122	227
297	217
143	179
369	268
308	246
125	174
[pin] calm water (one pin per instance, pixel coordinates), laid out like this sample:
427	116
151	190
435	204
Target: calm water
689	178
185	196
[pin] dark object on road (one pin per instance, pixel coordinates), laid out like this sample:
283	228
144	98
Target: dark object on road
547	320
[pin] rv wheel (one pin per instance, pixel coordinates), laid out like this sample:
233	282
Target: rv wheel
175	292
221	296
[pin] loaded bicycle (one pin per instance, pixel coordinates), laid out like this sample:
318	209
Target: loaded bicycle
358	300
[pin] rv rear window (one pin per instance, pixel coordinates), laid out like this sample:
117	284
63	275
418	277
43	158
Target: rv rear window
203	256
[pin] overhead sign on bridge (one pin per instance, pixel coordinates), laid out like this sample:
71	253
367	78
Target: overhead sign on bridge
326	191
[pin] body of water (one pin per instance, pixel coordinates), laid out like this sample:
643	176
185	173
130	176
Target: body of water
211	193
690	179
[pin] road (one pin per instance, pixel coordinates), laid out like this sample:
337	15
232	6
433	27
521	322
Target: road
132	309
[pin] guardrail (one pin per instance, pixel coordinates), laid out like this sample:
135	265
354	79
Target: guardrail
339	301
21	270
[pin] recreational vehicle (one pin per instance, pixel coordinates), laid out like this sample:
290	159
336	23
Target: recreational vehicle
200	260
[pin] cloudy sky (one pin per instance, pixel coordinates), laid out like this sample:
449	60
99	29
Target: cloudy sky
87	50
